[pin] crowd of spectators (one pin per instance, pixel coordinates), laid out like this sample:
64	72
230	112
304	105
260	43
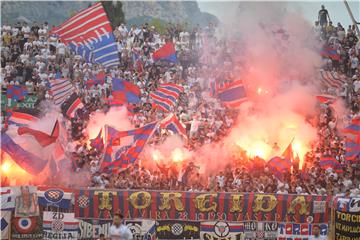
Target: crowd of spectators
30	56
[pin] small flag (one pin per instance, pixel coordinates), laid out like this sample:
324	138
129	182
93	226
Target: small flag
61	89
166	96
97	142
166	53
16	92
173	124
129	145
125	92
233	94
331	53
327	162
71	105
278	165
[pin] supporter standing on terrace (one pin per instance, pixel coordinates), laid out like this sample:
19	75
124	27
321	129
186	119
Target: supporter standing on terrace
118	230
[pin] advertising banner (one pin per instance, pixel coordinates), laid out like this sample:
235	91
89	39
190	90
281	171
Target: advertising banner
191	206
28	102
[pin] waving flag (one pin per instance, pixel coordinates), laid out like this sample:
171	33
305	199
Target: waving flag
173	124
354	127
71	105
278	165
332	79
166	95
125	92
233	94
129	145
42	138
97	142
23	117
288	153
352	150
166	53
331	53
61	89
28	161
327	162
326	99
16	92
89	34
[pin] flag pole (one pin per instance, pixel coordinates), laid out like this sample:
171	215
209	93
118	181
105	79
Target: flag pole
355	23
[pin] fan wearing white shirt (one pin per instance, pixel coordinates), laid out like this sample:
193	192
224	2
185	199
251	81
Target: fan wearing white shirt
118	230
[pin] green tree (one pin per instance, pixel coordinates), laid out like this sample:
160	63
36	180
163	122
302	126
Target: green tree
114	12
159	25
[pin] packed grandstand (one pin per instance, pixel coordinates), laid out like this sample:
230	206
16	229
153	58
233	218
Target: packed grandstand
186	127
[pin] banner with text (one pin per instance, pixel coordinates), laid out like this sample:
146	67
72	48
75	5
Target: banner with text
347	218
192	206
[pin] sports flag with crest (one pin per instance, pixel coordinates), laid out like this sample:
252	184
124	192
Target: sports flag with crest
54	196
166	96
124	147
58	225
5	224
89	34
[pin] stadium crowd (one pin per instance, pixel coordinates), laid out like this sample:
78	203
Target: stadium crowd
30	56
